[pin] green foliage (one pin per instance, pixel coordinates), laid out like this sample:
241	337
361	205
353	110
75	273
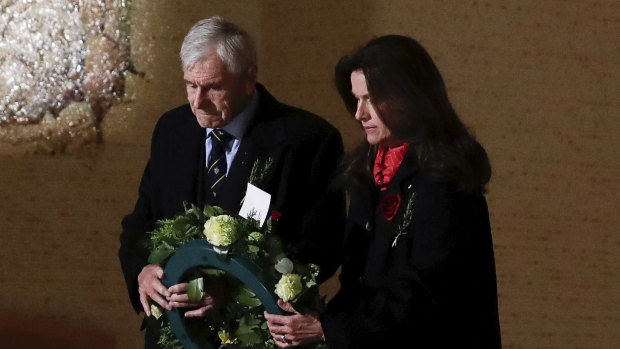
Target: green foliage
210	211
407	219
260	171
167	340
248	298
248	331
170	234
161	253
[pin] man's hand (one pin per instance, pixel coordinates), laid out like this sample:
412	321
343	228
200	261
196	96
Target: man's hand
150	287
178	298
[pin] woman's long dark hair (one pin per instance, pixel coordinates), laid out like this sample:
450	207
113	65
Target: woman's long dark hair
409	94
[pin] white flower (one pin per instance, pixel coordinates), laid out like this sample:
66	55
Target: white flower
256	237
220	230
284	266
288	287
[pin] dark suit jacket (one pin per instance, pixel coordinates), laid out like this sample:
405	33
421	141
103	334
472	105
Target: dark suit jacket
435	289
305	149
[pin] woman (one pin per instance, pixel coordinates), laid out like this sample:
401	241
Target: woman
418	263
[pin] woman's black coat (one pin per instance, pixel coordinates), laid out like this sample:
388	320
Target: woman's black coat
432	287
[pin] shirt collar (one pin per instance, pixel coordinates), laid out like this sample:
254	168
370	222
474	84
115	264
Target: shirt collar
240	123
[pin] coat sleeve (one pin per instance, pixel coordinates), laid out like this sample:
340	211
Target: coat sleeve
438	287
323	223
311	202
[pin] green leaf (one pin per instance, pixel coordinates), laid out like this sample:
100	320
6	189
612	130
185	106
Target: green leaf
212	272
248	298
160	253
211	211
180	224
191	230
246	333
247	336
195	211
195	290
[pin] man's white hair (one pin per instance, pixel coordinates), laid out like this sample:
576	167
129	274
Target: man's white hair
233	44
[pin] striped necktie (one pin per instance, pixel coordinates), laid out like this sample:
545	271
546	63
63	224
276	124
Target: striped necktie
216	168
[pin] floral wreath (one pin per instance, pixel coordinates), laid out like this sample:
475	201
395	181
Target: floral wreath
238	322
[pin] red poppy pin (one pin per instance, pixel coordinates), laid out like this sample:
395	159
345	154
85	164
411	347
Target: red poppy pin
275	215
389	205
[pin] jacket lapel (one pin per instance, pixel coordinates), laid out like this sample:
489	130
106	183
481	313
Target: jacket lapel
408	168
262	139
185	154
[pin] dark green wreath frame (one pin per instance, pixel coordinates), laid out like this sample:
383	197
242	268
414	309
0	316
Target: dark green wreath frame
200	253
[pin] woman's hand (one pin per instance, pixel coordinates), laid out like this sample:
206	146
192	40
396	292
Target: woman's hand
293	330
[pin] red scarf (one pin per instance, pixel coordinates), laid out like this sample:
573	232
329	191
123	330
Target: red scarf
387	163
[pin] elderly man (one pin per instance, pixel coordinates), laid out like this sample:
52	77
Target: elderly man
203	152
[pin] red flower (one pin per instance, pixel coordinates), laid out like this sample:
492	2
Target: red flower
275	215
389	205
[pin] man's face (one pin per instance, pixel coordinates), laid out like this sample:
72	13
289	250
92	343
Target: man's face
215	94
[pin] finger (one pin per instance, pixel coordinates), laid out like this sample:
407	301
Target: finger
156	274
198	312
185	303
184	298
159	287
182	305
283	341
274	317
179	288
145	304
162	290
159	272
273	320
277	339
276	330
286	306
277	334
157	298
179	297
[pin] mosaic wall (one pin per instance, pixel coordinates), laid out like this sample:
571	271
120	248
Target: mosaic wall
63	63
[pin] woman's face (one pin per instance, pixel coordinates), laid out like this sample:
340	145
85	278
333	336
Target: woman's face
376	131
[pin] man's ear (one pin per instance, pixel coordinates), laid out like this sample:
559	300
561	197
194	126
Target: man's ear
252	79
